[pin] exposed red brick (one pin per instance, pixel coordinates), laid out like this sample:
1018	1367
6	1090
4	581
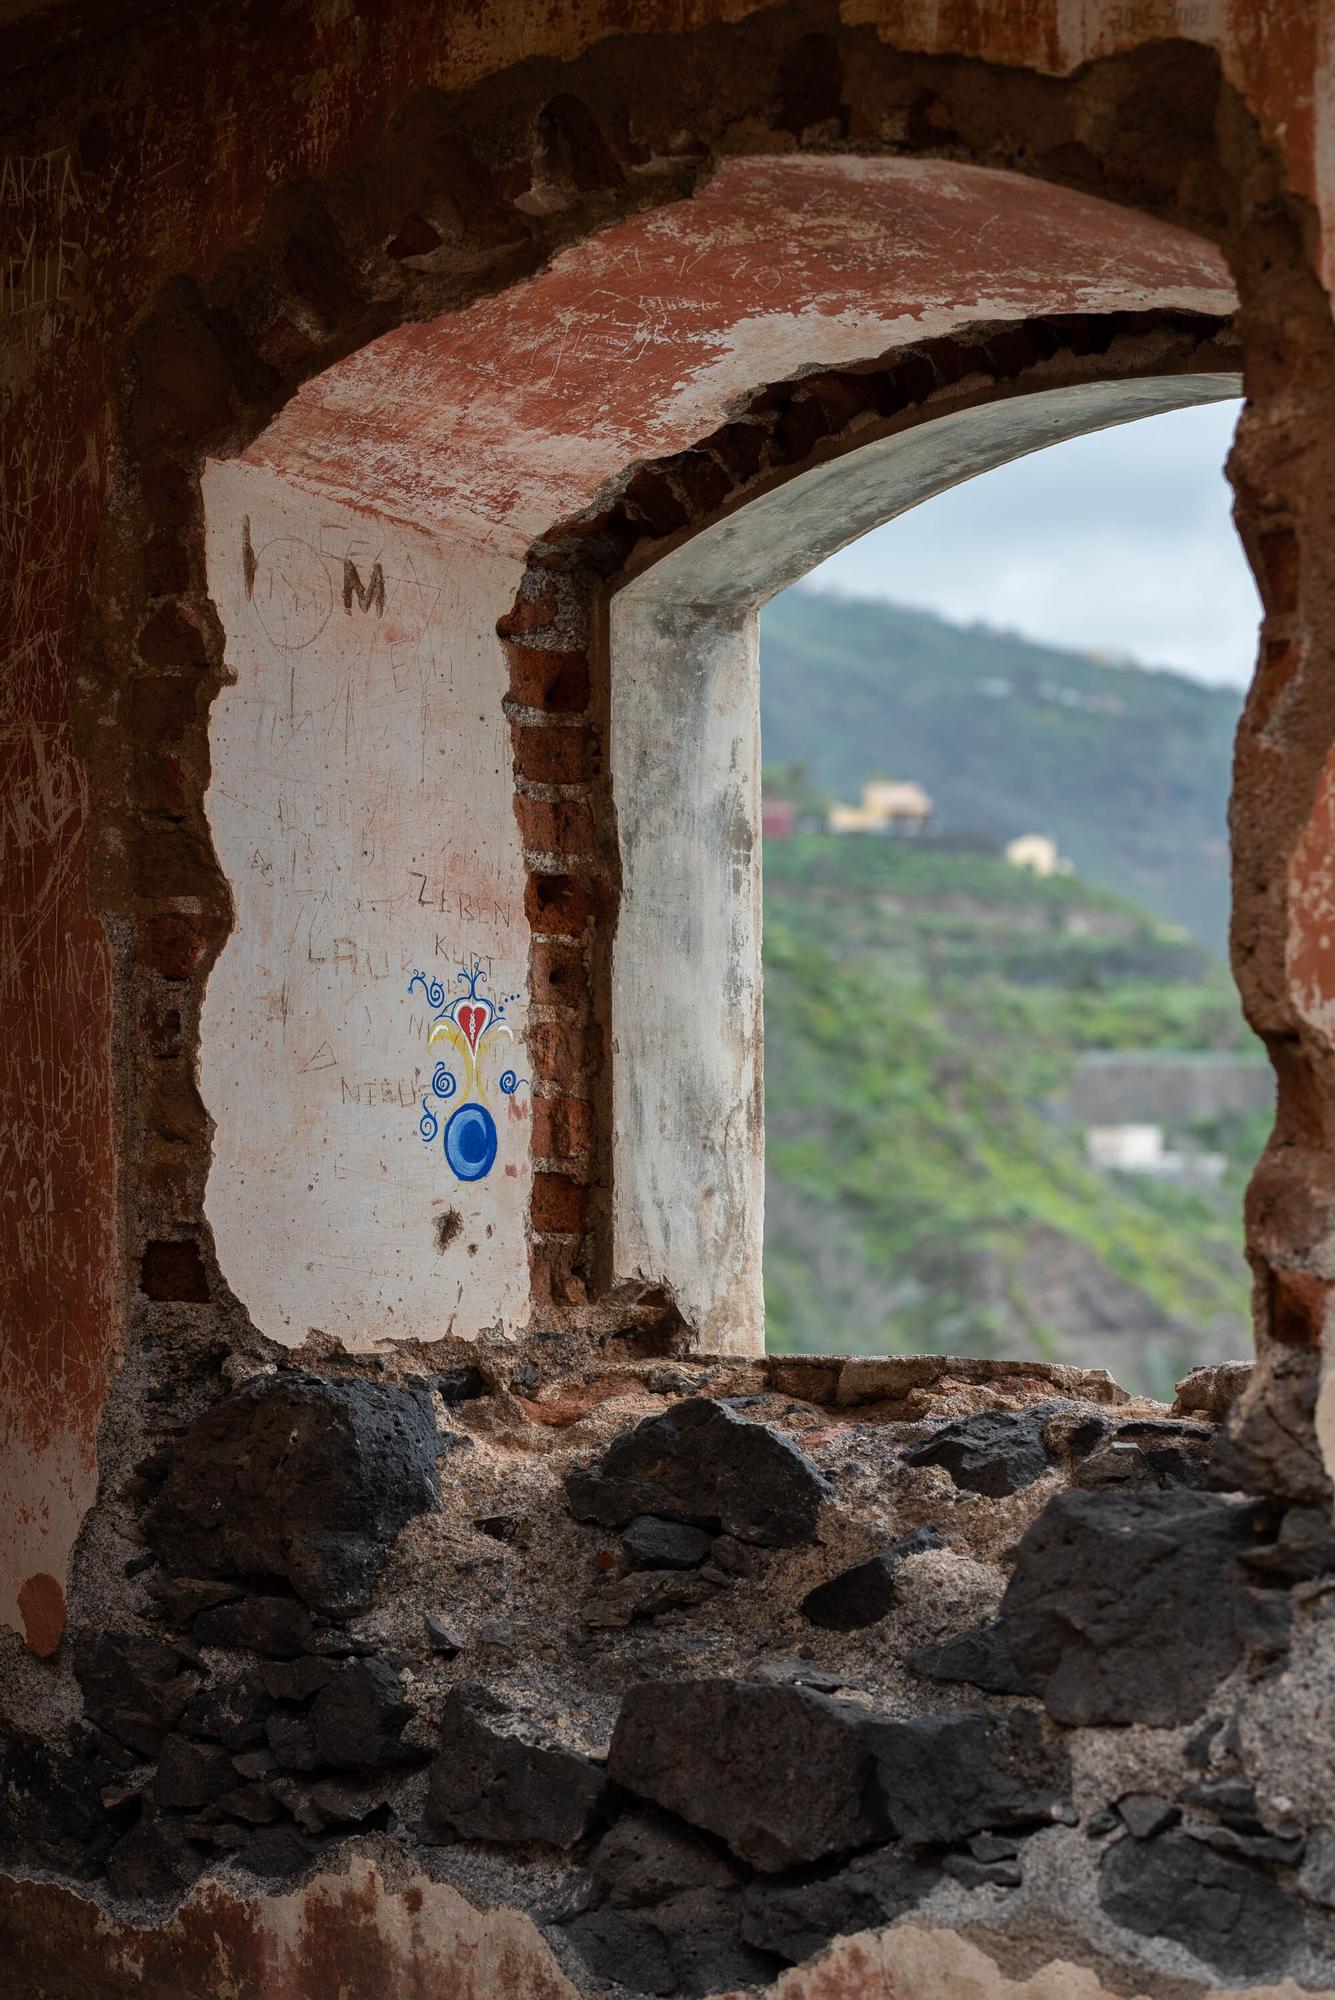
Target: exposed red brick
1298	1302
1277	571
171	637
536	608
556	756
172	1107
559	975
553	1276
561	905
559	1050
555	826
703	480
543	678
170	1186
562	1128
558	1204
172	945
650	496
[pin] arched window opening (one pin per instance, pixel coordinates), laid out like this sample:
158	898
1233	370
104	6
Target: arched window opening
1010	1100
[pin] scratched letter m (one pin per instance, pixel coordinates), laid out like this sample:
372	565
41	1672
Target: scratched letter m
367	595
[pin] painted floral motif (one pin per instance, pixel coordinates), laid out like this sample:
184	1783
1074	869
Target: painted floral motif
467	1023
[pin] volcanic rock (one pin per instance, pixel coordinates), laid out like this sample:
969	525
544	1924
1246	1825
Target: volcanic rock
942	1777
654	1544
496	1777
1129	1607
993	1451
795	1919
779	1773
1229	1912
980	1658
702	1463
298	1478
358	1717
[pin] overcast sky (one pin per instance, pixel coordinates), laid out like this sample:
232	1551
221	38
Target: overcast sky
1121	541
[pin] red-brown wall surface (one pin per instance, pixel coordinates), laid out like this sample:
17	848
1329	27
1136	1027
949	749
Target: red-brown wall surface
219	151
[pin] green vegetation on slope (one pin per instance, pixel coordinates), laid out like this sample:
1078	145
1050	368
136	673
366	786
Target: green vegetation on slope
922	1012
1128	769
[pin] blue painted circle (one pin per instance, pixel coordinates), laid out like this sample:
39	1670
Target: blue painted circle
470	1142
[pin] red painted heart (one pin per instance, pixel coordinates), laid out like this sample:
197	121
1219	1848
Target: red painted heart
472	1020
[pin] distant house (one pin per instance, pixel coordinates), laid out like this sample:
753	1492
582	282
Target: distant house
778	819
889	806
1038	852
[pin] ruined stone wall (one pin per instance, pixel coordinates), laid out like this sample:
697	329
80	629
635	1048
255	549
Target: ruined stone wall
211	208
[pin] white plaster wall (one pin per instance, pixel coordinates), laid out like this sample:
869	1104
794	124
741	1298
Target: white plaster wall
687	1092
361	802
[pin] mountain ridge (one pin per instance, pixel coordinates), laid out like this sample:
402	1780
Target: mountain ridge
1126	766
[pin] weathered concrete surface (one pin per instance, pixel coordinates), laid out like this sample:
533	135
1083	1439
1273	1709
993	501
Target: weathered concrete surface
361	804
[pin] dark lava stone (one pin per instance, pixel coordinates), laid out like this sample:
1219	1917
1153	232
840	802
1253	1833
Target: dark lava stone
154	1859
863	1594
1145	1813
943	1777
1230	1913
689	1944
797	1917
279	1626
654	1544
779	1773
646	1856
299	1478
498	1778
701	1463
979	1658
856	1597
358	1717
51	1807
191	1775
1130	1607
993	1451
232	1711
134	1688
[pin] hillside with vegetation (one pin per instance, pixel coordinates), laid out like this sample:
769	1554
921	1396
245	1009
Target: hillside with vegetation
927	1004
924	1014
1128	769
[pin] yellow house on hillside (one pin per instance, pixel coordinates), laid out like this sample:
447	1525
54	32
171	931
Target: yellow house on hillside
889	805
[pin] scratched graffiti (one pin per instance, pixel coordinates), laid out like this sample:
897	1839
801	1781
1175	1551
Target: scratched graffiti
58	1236
361	802
40	271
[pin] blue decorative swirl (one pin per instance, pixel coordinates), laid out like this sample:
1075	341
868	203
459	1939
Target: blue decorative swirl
428	1124
443	1082
510	1083
434	991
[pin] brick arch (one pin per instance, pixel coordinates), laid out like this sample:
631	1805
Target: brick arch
460	199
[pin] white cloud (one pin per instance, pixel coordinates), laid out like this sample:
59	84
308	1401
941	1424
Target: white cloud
1121	541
